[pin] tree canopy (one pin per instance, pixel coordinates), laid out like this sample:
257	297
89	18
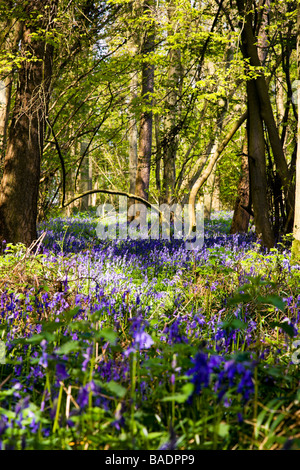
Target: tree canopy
170	101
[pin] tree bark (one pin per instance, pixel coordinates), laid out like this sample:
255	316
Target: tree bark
172	100
20	182
145	132
12	32
241	217
209	190
85	177
296	232
5	99
249	50
158	154
133	140
257	168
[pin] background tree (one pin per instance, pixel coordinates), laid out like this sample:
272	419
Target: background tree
20	181
164	142
146	119
296	232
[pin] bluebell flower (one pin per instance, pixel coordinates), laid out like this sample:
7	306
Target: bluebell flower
3	424
87	357
174	333
44	357
83	397
61	372
200	373
22	404
141	339
83	394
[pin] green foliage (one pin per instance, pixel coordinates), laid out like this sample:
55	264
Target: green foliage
242	306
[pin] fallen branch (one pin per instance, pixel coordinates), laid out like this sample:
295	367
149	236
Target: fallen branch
117	193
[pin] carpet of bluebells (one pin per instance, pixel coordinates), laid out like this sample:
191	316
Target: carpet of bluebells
143	344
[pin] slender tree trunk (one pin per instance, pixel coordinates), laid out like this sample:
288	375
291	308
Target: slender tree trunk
241	218
249	50
257	168
13	34
211	151
5	98
158	156
296	231
85	178
190	179
70	176
170	142
207	171
20	182
145	133
133	140
209	188
280	99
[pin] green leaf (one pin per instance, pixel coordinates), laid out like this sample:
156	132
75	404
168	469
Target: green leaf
273	300
51	326
239	299
69	346
186	390
234	324
288	329
8	413
116	389
155	435
39	337
82	326
108	334
223	429
68	315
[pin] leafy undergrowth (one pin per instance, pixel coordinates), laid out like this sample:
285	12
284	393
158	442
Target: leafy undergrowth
146	345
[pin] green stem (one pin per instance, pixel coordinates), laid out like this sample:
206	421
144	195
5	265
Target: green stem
55	425
133	392
90	379
255	399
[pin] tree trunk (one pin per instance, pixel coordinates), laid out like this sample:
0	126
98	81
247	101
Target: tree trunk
296	231
145	133
209	189
257	168
20	182
170	142
132	140
240	219
5	98
158	156
12	35
249	50
85	178
209	168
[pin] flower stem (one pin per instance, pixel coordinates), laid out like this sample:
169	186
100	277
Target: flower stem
55	425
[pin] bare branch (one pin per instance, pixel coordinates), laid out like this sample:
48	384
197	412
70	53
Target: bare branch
117	193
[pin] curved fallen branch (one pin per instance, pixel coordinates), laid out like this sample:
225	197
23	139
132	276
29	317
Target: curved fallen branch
117	193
